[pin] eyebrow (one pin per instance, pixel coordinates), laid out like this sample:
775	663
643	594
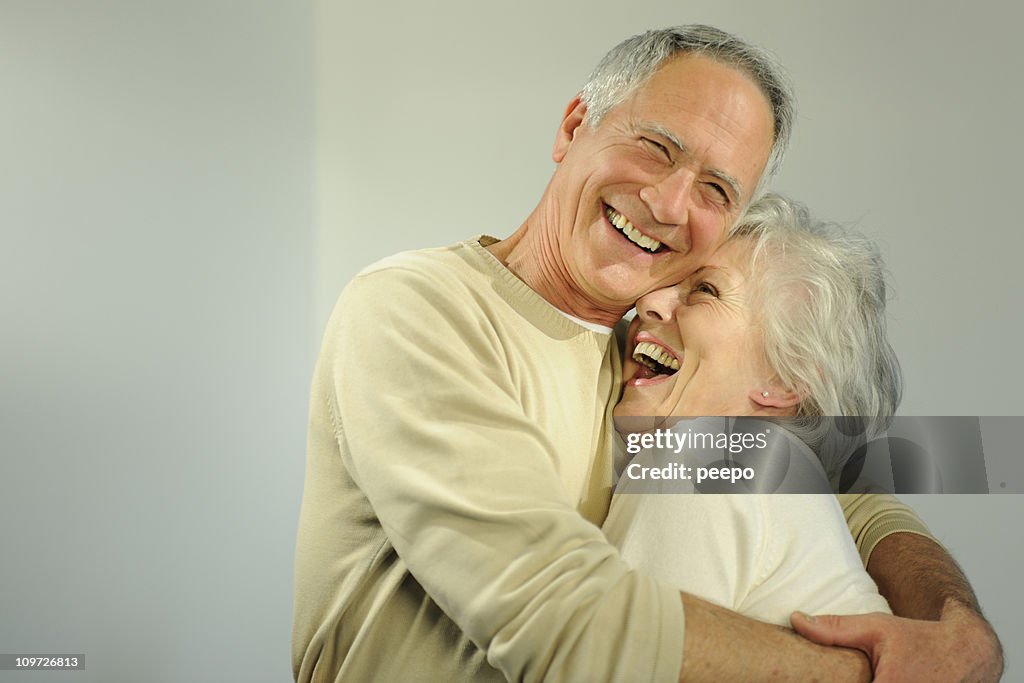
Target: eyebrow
708	268
658	129
726	273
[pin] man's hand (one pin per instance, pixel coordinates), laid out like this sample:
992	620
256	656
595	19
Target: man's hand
939	634
722	645
959	647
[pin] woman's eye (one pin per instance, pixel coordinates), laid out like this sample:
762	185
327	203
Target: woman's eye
706	288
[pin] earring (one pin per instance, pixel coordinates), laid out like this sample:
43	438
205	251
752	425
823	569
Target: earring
765	394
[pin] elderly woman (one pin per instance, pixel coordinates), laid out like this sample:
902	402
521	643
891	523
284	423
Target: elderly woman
786	319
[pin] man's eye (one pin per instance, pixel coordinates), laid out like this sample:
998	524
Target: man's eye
720	191
660	147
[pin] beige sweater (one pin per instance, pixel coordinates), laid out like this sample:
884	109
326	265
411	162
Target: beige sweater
447	529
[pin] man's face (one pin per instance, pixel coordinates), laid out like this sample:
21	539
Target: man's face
643	199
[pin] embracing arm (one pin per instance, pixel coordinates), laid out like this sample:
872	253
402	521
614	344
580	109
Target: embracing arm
918	577
922	581
434	422
722	645
939	633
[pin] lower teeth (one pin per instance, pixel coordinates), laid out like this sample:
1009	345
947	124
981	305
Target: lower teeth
656	367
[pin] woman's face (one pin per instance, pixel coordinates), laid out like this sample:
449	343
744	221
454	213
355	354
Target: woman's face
704	327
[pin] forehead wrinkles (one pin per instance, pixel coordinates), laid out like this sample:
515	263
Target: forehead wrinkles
683	119
733	90
734	257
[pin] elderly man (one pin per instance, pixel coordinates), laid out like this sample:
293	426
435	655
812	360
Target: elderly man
459	448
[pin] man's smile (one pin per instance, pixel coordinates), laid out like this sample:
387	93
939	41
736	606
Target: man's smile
627	230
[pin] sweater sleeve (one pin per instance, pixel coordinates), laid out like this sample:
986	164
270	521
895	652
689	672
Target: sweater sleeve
468	493
873	516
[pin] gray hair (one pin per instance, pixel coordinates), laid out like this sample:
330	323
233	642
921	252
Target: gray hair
819	294
630	63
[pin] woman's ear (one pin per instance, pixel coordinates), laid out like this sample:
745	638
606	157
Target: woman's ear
773	395
573	118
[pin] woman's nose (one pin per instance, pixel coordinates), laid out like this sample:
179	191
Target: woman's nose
660	305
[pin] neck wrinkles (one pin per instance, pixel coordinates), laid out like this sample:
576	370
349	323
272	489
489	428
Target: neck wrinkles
534	257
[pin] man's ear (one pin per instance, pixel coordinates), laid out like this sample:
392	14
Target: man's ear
774	395
575	112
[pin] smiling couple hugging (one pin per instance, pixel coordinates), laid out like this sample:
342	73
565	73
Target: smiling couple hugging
456	486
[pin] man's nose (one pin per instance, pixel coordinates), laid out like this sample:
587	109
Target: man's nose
660	306
669	198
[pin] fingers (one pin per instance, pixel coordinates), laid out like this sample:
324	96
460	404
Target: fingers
908	649
858	631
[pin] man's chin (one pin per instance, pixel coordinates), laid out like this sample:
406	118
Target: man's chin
613	297
619	285
634	424
631	406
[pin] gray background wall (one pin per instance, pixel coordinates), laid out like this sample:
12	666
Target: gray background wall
185	187
157	322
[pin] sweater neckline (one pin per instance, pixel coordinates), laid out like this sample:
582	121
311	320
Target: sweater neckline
516	287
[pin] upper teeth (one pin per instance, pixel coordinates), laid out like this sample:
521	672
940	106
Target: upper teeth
634	235
646	351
